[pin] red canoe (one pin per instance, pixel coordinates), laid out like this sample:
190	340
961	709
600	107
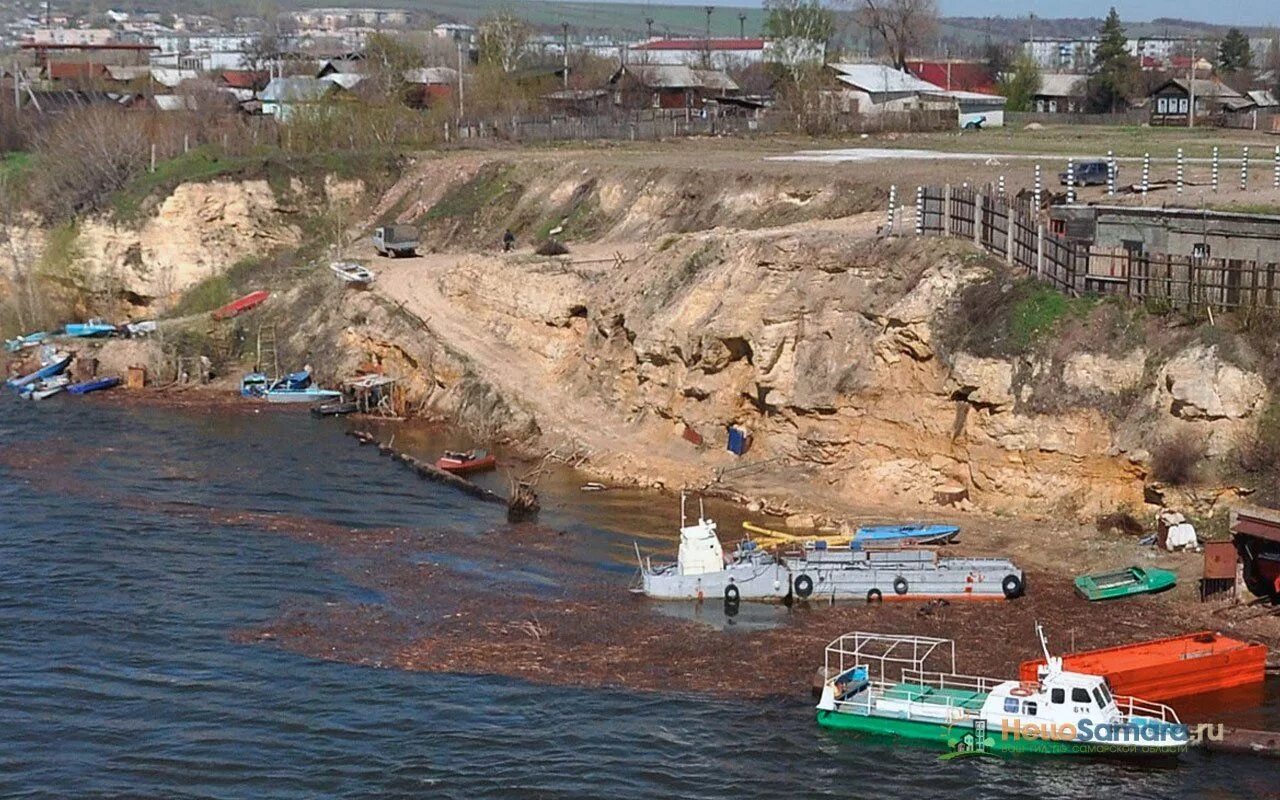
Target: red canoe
465	463
1166	669
237	307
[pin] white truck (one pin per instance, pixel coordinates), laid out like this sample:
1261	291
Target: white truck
395	240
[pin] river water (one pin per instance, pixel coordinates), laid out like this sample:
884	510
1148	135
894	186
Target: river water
120	676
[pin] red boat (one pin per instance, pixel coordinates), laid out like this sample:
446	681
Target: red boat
466	463
238	307
1162	670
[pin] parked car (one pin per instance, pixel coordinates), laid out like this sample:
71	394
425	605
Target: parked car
395	240
1089	173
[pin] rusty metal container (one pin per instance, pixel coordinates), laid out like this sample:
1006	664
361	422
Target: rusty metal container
135	378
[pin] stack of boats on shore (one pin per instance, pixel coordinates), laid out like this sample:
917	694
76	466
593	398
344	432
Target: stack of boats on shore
873	564
49	377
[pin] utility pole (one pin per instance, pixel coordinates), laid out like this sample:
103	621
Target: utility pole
565	26
706	42
742	25
1191	89
462	108
648	27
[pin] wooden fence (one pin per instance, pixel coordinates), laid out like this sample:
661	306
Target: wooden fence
1016	232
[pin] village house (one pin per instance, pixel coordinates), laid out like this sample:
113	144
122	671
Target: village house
668	86
879	88
1175	101
426	86
1061	93
955	75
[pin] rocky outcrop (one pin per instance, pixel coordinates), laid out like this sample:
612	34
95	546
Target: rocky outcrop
1198	384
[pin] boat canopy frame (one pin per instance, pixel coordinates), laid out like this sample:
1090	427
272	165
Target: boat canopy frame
879	652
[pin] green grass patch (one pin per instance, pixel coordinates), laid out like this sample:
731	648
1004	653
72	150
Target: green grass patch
199	165
14	164
999	317
59	260
474	196
216	291
1248	208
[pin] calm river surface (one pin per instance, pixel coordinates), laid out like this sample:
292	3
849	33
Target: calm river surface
119	674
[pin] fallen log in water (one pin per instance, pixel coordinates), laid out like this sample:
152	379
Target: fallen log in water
431	472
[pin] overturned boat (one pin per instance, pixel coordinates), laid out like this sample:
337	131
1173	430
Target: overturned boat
820	572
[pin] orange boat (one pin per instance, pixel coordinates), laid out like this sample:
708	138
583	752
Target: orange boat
466	463
1166	669
237	307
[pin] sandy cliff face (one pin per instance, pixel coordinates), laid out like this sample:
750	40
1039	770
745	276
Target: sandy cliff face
197	231
823	341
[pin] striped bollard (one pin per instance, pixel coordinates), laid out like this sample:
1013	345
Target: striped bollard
1276	178
1181	174
1071	180
1215	170
893	205
1146	173
1037	189
1111	173
1000	186
1244	170
919	211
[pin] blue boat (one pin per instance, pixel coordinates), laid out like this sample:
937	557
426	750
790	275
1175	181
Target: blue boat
309	394
94	327
95	385
23	342
894	535
54	367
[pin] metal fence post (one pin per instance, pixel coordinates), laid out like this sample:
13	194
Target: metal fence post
979	214
919	211
946	210
1008	234
1244	170
1216	162
1180	172
1040	249
1071	181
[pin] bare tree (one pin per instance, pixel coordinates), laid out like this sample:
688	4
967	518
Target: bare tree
904	25
502	39
800	30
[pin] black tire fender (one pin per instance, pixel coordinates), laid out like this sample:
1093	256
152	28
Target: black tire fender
875	596
1012	586
900	585
803	586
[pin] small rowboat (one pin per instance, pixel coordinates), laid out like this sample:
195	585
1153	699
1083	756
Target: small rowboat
95	385
353	274
48	387
238	307
23	342
335	409
904	534
54	367
466	463
310	394
1125	582
94	327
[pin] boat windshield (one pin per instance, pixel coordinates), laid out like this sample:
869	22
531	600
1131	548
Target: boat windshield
1102	695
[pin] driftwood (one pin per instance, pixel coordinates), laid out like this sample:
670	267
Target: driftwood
523	503
430	471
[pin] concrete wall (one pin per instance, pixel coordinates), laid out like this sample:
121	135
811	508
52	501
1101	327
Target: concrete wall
1227	235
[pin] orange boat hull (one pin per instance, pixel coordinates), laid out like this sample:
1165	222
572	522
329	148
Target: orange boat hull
467	467
1168	669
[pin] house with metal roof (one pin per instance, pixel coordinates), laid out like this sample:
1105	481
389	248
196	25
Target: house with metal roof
282	96
879	88
1061	93
669	86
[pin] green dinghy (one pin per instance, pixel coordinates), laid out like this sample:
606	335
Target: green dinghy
1125	582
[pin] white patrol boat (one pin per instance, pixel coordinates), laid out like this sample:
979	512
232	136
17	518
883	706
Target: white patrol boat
701	569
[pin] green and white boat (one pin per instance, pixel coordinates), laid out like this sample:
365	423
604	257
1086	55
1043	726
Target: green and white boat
1124	583
906	687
